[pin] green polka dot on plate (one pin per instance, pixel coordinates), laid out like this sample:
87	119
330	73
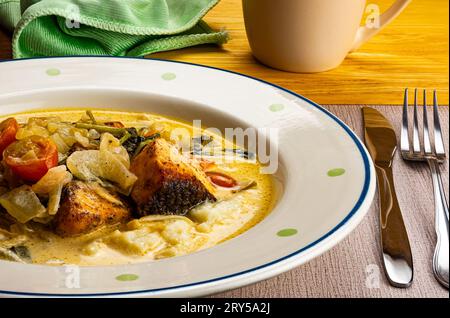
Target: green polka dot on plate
287	232
169	76
53	72
276	107
336	172
127	277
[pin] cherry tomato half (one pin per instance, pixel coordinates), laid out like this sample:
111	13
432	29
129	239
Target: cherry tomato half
8	130
31	158
222	180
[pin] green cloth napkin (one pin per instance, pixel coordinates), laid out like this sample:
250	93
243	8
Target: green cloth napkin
106	27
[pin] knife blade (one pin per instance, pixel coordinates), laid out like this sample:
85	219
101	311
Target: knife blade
381	142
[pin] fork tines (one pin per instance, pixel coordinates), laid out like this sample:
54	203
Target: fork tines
420	147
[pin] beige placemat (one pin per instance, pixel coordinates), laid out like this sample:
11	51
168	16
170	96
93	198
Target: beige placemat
353	268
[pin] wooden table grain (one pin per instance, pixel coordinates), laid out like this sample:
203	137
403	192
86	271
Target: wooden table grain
411	52
353	268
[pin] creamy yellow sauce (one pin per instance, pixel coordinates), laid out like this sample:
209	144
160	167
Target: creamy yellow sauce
142	240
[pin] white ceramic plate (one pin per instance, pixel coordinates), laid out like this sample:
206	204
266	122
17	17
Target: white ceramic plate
328	179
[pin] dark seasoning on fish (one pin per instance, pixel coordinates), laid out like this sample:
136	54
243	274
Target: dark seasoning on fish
78	187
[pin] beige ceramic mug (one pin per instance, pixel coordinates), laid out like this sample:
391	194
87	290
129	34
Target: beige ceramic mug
311	35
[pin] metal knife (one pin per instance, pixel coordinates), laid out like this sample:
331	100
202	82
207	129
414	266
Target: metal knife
381	142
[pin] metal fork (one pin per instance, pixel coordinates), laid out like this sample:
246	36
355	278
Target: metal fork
420	148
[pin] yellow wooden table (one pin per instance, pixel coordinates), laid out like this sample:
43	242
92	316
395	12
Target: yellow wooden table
411	52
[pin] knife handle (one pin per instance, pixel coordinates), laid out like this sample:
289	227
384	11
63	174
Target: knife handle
396	250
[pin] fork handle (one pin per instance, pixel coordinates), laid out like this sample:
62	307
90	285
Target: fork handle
396	249
441	253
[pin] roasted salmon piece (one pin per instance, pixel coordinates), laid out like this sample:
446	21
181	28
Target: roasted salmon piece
86	207
167	183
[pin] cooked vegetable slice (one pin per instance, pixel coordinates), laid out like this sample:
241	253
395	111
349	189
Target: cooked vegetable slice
23	253
65	135
23	204
110	163
91	116
31	158
52	180
244	186
85	165
12	248
60	143
33	130
113	169
82	140
129	137
8	130
53	200
156	218
52	184
9	239
112	145
8	255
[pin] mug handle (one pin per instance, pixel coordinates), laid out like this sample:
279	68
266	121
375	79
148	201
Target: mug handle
365	33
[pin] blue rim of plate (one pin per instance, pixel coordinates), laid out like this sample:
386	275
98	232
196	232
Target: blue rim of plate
365	190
